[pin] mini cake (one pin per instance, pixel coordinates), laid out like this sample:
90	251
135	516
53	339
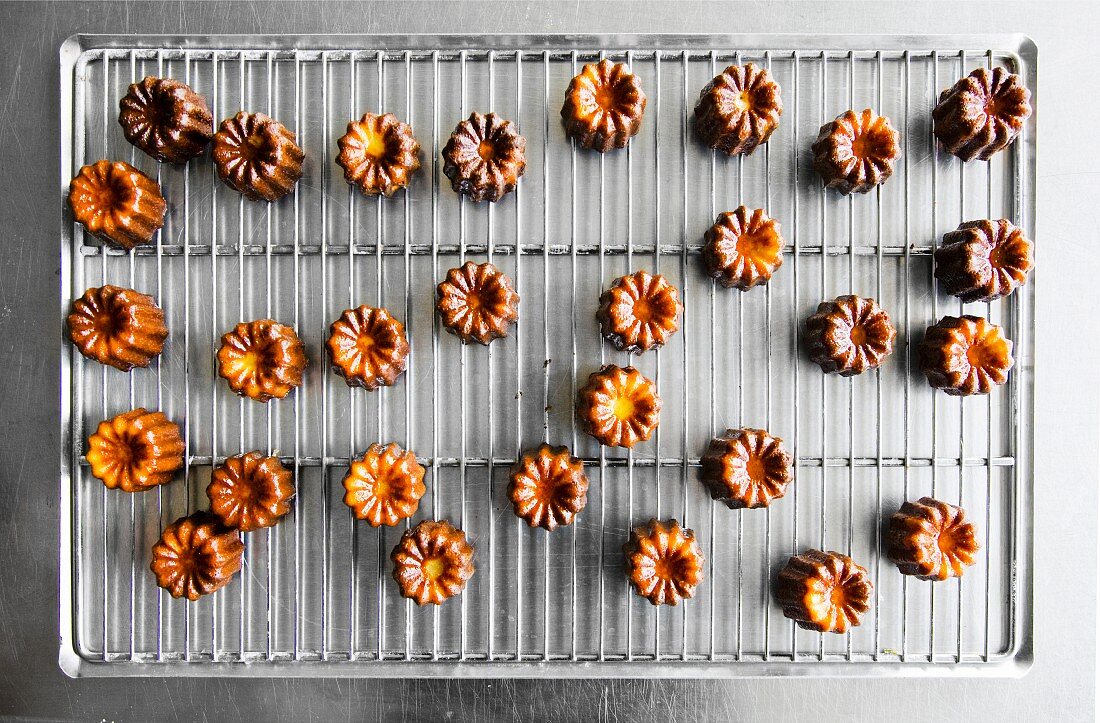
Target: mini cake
604	106
135	451
378	154
856	152
931	540
639	312
196	556
257	156
618	406
118	327
738	110
385	485
484	157
664	562
250	491
849	335
965	355
368	347
743	248
262	359
823	591
117	203
548	487
166	119
432	562
981	114
746	468
983	260
477	302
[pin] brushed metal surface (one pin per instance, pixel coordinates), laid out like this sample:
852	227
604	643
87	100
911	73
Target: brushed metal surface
1062	678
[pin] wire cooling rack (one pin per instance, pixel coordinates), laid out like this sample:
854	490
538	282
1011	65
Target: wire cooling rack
315	596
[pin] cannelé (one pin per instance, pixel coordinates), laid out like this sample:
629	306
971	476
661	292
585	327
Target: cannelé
743	248
135	451
196	555
931	540
166	119
119	327
965	355
664	562
849	335
604	106
368	347
746	468
379	154
484	157
385	485
257	156
618	406
117	203
738	110
823	591
548	487
981	114
983	260
477	303
639	312
262	359
250	491
432	562
856	151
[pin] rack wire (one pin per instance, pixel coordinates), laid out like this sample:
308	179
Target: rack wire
316	588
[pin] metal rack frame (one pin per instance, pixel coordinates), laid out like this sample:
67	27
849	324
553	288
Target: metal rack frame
344	264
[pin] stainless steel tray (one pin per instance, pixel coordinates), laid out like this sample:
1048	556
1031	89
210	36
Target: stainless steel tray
315	596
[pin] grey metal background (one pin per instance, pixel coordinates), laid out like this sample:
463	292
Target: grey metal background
32	685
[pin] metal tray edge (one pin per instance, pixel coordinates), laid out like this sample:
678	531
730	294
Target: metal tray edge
1017	662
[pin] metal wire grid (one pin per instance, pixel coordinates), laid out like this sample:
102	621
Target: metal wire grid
288	603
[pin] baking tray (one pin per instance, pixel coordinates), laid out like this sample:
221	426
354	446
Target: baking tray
315	597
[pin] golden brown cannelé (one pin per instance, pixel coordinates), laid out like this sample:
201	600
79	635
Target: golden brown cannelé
379	154
477	302
664	562
135	451
196	555
981	114
548	487
931	539
738	110
639	312
618	406
432	562
262	359
484	157
257	156
743	248
250	491
983	260
368	347
604	106
965	355
823	591
856	151
385	485
746	468
119	327
849	335
117	203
